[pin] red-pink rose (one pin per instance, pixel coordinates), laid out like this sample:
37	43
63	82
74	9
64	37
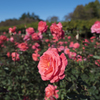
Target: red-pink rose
35	37
26	37
96	27
30	30
72	55
52	66
11	39
8	54
42	27
12	30
71	44
66	50
35	56
15	56
56	30
51	92
97	62
76	45
23	46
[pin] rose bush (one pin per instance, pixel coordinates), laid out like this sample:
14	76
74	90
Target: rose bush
29	63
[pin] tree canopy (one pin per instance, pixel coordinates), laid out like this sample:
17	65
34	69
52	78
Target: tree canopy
86	12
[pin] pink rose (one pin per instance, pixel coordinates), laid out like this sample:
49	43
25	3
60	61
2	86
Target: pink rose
11	39
56	30
71	44
66	50
76	45
97	62
96	27
15	56
8	54
35	37
52	66
42	27
23	46
35	56
51	92
12	30
72	55
30	30
26	37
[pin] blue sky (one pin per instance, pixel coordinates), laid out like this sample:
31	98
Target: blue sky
42	8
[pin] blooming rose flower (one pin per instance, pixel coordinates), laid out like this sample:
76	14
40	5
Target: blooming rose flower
2	39
51	92
40	35
71	44
60	48
72	55
11	39
42	27
97	62
15	56
23	46
35	56
96	27
69	37
66	50
12	30
52	66
35	36
56	30
30	30
76	45
8	54
26	37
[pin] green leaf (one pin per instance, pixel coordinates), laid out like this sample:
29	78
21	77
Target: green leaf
96	57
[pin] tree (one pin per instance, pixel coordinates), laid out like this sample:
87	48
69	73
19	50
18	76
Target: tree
68	17
52	19
23	16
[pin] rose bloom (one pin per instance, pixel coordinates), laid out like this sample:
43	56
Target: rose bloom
30	30
23	46
15	56
35	37
42	26
56	30
47	40
69	37
8	54
72	55
51	92
97	62
76	45
71	44
96	27
11	39
35	56
26	37
36	44
40	35
3	38
66	50
52	66
12	30
60	48
93	37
